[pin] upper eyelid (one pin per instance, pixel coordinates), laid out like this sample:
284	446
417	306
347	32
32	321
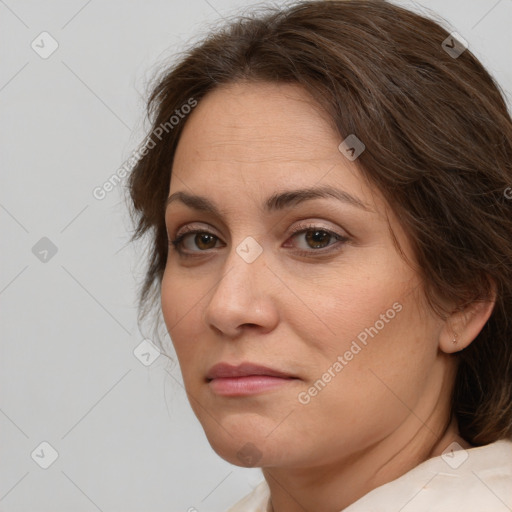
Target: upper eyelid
307	225
191	227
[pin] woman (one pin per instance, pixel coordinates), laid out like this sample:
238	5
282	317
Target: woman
326	191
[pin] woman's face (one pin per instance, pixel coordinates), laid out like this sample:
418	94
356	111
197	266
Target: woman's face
309	285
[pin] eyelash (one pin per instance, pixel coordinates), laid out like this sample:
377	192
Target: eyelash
177	242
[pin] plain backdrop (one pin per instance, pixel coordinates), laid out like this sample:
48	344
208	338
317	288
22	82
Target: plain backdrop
118	433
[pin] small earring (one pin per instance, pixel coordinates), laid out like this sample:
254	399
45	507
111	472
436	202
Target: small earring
454	341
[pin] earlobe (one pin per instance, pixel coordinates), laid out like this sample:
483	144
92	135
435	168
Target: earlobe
462	327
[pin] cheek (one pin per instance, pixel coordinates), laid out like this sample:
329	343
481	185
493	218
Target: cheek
380	360
373	330
171	306
347	306
374	387
181	309
181	295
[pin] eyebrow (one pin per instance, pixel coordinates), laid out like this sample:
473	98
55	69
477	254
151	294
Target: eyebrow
277	201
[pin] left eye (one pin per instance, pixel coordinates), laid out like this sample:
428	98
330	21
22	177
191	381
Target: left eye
317	238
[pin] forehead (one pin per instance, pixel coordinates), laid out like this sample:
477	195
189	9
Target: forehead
256	138
256	122
247	140
265	135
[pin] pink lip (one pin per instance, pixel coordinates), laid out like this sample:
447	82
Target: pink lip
245	379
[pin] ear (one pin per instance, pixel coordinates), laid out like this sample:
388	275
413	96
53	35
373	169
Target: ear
463	326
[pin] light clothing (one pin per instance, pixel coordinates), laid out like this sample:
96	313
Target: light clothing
474	480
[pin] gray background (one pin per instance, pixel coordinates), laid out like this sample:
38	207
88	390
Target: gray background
124	432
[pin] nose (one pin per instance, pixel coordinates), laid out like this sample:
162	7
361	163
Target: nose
243	297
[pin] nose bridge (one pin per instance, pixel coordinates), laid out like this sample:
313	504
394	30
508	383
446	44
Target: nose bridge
243	265
239	297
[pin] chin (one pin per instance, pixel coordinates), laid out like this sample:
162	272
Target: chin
239	451
245	446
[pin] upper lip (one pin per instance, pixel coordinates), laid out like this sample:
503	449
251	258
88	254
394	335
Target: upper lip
221	370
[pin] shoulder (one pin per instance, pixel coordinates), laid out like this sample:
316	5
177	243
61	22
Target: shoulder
256	501
474	480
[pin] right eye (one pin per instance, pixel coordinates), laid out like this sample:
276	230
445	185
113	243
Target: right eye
199	238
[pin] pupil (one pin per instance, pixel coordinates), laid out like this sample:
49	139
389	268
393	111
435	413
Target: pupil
204	239
317	237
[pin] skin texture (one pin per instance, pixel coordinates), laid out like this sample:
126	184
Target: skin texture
387	410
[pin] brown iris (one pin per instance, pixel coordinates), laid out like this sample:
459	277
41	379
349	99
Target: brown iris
206	239
315	238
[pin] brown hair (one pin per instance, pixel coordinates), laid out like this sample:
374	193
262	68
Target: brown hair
438	142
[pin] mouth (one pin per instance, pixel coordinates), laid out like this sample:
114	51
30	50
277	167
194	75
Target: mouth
245	379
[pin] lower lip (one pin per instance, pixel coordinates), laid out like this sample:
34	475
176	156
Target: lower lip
239	386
